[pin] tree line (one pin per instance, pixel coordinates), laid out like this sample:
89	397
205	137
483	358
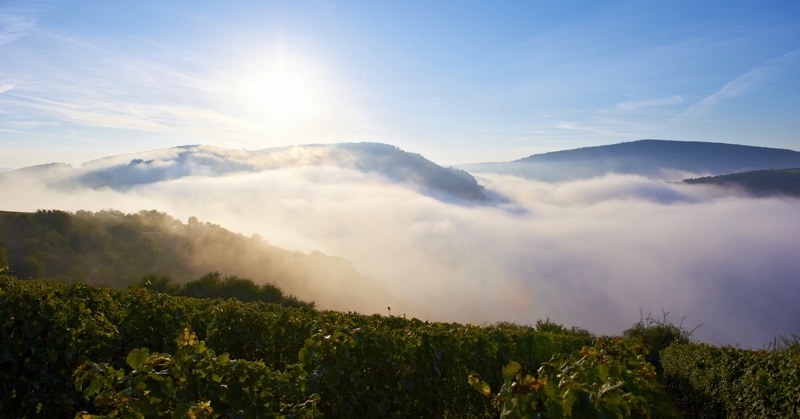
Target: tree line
214	285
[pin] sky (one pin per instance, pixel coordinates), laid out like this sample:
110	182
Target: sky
458	82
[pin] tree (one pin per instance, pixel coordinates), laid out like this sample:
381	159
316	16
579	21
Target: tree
32	267
3	259
207	286
158	283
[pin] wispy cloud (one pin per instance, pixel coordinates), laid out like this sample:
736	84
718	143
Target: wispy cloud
627	119
749	82
135	116
144	85
14	24
636	105
618	130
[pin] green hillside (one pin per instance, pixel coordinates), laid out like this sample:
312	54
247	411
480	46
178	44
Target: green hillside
759	182
114	249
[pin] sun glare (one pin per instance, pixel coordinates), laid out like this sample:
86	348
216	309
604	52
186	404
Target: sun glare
280	90
292	95
281	93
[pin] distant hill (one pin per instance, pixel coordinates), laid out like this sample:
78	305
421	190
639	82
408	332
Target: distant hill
115	249
759	182
653	158
127	171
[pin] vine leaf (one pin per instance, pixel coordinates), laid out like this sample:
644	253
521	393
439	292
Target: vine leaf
480	386
137	357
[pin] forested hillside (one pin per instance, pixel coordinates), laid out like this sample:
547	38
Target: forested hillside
760	182
116	249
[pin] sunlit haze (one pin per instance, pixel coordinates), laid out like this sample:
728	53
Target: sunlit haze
457	82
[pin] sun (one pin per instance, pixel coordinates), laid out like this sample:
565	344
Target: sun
280	89
282	93
288	93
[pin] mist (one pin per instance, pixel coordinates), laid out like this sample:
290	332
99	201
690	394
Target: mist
591	253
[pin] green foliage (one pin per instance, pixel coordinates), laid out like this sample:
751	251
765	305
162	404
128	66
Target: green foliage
548	325
374	366
47	331
193	382
610	379
351	365
727	382
115	249
207	286
213	285
151	320
158	283
657	334
77	348
3	259
261	331
81	247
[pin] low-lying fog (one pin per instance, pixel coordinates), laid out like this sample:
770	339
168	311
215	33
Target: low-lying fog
589	253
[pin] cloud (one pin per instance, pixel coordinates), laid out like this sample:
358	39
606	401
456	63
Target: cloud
14	24
6	87
141	85
751	81
160	118
596	127
590	253
636	105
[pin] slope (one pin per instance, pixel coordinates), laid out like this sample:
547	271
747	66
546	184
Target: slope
127	171
115	249
652	158
759	183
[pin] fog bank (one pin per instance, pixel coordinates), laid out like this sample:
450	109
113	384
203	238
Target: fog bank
589	253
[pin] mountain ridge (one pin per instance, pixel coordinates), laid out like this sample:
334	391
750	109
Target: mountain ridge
652	158
131	170
665	159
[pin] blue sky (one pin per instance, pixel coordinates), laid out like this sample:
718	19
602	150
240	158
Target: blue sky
458	82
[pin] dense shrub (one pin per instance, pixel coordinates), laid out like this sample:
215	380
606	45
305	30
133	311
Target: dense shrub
728	382
657	334
346	364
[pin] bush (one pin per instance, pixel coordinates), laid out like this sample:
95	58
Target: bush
728	382
193	382
658	334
